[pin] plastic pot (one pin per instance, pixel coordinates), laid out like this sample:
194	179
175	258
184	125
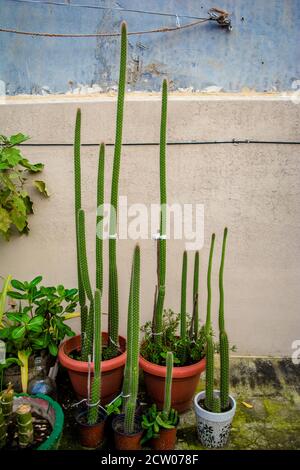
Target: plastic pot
126	441
166	440
47	408
213	428
185	381
90	435
111	370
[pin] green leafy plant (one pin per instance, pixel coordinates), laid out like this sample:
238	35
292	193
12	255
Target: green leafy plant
15	202
38	322
217	404
153	420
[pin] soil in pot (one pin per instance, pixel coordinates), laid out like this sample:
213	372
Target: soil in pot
90	435
166	440
111	370
127	441
41	431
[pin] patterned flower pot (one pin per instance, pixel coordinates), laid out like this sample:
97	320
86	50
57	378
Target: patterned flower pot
213	428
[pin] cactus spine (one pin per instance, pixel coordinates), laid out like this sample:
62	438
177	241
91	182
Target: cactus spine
196	295
99	225
208	311
77	177
163	202
113	275
132	361
168	385
96	385
224	346
84	272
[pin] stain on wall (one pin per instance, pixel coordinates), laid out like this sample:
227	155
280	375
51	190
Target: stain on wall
261	52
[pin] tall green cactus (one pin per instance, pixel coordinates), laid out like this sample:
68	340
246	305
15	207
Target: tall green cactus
168	385
99	219
208	310
84	272
183	297
77	178
224	345
209	390
196	296
96	385
113	302
132	360
163	202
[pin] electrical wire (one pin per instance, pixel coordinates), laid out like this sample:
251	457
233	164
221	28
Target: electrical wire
188	142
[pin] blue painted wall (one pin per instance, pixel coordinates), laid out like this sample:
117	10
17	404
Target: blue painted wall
262	52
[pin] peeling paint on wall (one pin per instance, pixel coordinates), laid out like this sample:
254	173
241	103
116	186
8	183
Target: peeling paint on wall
261	52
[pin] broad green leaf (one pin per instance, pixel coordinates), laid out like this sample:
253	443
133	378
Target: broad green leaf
36	281
18	138
14	316
19	219
53	349
41	187
36	323
18	333
16	295
18	285
33	167
5	220
11	155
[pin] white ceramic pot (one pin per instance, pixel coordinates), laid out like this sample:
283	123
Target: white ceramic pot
213	428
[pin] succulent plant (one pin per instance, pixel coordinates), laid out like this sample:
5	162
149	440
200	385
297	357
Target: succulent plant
131	379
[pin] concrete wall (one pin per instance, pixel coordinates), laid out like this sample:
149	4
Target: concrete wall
251	188
261	52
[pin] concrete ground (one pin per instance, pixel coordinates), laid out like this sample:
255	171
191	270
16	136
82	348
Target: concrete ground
268	408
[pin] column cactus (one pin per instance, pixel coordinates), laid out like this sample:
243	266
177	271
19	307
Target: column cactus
25	426
208	310
168	385
163	202
132	361
195	317
113	303
183	297
84	273
223	338
96	385
99	219
77	177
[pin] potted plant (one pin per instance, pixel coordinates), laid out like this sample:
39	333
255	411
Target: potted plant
161	335
34	422
127	426
74	352
215	409
34	327
160	426
91	421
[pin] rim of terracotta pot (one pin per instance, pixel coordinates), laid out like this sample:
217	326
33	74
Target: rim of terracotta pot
73	343
178	371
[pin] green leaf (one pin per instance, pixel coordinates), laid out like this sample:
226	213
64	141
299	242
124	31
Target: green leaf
19	219
53	349
11	155
35	323
17	139
36	281
18	333
18	285
16	295
41	187
13	316
5	220
33	167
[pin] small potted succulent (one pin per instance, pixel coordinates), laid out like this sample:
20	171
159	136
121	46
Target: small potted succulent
160	426
29	422
33	327
73	354
215	409
91	421
161	335
127	426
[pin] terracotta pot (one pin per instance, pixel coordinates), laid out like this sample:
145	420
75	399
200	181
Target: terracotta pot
126	441
185	381
111	370
166	440
90	435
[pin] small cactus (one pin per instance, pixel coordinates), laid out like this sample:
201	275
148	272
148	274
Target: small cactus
132	360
